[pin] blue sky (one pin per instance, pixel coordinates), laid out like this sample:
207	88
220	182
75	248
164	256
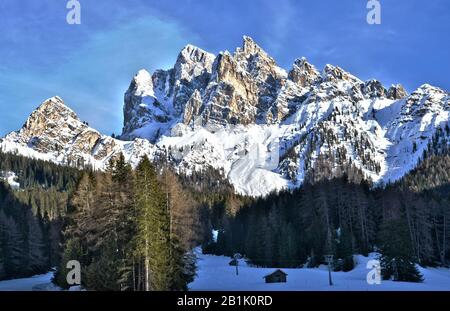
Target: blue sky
91	65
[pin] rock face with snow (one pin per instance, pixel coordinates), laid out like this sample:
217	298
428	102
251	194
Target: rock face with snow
54	132
262	127
154	103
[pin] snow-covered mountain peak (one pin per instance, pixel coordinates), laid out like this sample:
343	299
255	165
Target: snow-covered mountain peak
335	73
142	83
52	117
397	92
374	89
264	129
193	53
54	132
54	107
250	47
253	59
50	128
302	63
192	62
430	89
304	73
317	114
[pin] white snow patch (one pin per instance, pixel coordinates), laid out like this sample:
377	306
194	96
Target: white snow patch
214	274
42	282
10	178
215	235
242	153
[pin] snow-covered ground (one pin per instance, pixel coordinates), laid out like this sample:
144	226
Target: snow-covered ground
40	282
214	273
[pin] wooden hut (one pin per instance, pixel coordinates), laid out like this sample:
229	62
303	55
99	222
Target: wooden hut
278	276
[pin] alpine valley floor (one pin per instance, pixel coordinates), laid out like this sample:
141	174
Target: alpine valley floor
214	274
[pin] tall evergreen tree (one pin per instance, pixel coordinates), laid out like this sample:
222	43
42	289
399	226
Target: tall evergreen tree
153	223
397	260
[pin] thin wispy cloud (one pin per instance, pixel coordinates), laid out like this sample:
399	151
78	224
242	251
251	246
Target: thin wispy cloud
91	74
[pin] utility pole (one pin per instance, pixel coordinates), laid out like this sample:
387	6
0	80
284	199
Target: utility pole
329	260
394	265
236	257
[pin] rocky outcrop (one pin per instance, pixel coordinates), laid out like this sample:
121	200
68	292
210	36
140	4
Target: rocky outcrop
51	126
192	108
396	92
239	88
139	101
335	74
54	132
304	74
154	103
374	88
192	72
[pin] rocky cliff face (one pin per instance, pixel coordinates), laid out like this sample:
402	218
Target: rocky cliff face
53	126
225	89
54	132
262	127
153	103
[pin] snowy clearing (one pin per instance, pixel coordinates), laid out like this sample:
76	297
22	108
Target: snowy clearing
214	273
40	282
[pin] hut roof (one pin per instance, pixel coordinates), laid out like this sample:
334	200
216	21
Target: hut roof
276	271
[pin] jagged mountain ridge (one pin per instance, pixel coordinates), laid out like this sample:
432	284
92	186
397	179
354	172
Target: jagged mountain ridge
231	112
54	132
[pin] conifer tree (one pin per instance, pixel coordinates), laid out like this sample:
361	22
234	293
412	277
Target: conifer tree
122	188
397	260
153	224
2	246
38	259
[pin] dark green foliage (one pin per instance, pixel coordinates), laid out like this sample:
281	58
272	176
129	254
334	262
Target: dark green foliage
397	260
102	273
23	248
153	238
99	229
293	229
131	230
344	250
31	217
33	173
72	251
298	228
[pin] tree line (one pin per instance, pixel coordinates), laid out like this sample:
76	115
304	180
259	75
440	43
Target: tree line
120	224
406	222
132	229
31	217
